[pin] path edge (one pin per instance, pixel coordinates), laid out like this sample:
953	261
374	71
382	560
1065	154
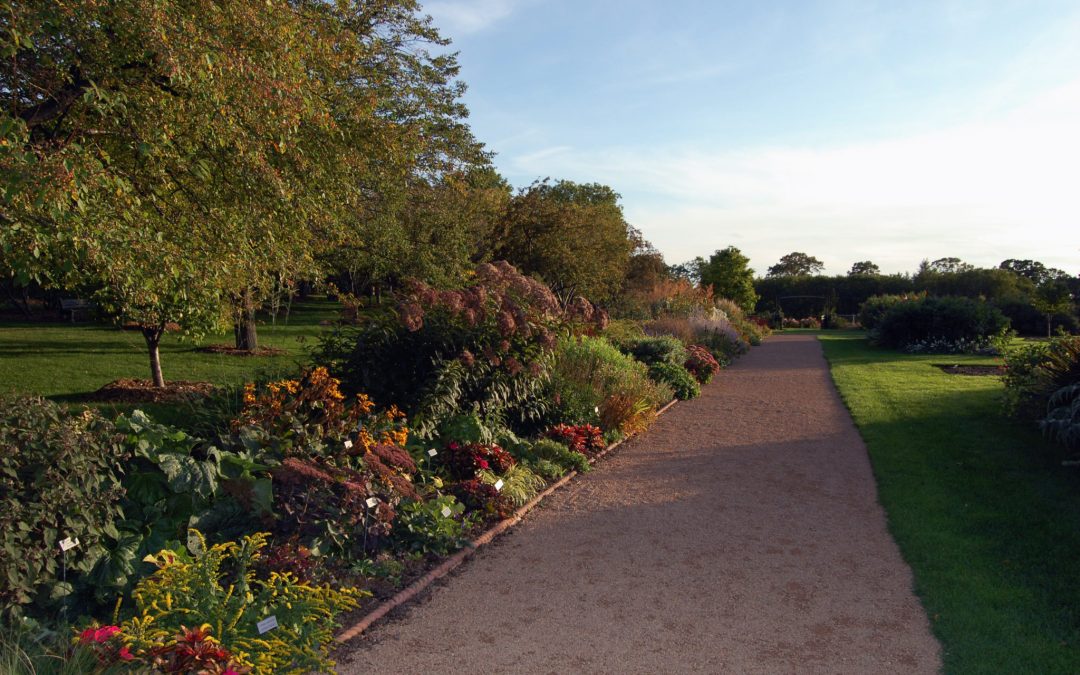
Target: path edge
457	559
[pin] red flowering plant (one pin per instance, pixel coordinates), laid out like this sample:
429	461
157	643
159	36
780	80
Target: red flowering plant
483	348
584	438
701	363
463	460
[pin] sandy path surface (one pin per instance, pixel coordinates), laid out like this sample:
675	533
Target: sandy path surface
741	534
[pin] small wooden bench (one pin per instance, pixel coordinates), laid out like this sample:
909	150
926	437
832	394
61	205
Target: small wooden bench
75	305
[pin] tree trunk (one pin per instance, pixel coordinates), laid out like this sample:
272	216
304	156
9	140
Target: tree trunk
1049	322
152	335
247	337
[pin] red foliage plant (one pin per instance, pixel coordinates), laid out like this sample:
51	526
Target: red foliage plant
465	459
584	438
195	651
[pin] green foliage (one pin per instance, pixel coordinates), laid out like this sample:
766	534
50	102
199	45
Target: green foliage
728	273
432	526
28	650
945	320
572	235
593	382
677	377
1035	371
216	585
519	483
59	478
660	349
872	312
559	454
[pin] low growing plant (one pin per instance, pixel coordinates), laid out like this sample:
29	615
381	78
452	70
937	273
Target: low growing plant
211	596
432	526
701	363
678	378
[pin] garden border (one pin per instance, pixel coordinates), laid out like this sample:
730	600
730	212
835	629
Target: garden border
453	562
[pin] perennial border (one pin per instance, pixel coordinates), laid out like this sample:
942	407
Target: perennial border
453	562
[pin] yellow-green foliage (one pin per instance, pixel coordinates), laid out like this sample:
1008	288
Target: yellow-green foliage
520	484
217	586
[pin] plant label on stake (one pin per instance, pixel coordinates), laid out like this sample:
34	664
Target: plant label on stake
432	452
348	444
498	485
446	512
267	624
68	544
372	502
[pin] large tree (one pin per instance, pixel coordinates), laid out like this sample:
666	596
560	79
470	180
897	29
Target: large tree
796	264
1052	298
573	235
864	267
729	274
181	160
1034	270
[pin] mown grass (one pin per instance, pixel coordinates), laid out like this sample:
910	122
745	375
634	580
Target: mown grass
980	505
66	362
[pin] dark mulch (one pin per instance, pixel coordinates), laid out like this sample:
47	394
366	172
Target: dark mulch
953	369
229	350
128	390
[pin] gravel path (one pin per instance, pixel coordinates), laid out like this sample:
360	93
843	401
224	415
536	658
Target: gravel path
741	534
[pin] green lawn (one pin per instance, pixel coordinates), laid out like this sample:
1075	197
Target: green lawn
65	362
981	507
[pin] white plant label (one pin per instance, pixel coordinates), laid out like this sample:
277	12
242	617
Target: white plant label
372	502
446	512
597	409
432	452
348	445
498	484
267	624
68	544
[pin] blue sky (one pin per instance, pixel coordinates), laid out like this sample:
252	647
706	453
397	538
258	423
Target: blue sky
889	131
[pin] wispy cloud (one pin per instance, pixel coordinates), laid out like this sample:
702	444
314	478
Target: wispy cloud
985	191
461	17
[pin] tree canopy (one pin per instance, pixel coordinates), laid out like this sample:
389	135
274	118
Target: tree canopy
572	235
796	264
730	276
173	157
864	267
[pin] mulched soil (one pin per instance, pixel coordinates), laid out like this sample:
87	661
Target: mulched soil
128	390
233	351
740	534
971	370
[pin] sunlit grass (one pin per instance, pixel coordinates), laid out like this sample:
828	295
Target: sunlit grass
981	508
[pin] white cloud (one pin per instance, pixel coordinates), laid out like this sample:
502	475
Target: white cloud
984	191
461	17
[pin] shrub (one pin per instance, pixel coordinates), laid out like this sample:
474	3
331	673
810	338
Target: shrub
1062	422
482	349
59	479
594	382
701	363
678	378
660	349
216	590
873	310
966	323
1035	371
715	333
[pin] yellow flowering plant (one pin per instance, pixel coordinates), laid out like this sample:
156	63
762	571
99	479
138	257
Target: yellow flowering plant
271	625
